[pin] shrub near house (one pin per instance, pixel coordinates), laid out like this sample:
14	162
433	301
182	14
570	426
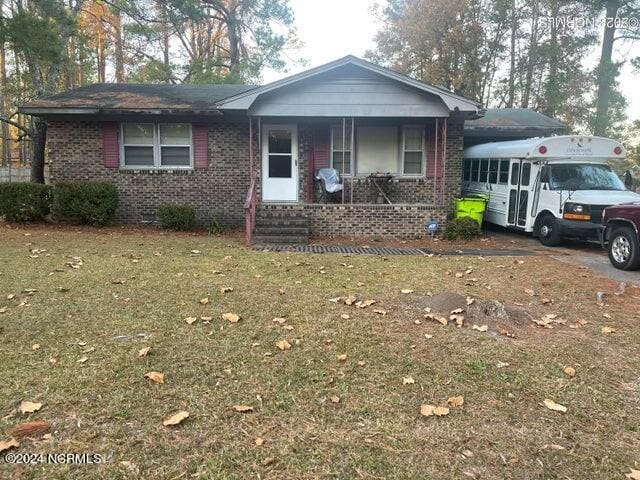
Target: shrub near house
92	203
24	202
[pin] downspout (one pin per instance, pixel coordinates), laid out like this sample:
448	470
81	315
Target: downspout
444	161
435	165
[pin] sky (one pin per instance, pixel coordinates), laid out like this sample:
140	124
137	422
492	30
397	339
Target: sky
331	29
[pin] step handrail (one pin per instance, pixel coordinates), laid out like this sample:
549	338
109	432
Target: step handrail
250	205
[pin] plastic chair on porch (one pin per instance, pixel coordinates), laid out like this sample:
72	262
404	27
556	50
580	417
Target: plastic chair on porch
330	183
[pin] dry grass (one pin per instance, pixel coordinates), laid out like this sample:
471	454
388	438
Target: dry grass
105	405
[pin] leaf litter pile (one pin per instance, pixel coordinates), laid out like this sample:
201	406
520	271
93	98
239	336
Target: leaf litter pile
187	356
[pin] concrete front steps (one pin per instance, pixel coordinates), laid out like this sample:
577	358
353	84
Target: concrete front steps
280	227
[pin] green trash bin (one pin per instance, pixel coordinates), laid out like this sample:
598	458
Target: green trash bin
472	206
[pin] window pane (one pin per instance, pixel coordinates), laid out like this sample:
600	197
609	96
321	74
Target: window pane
339	165
175	134
279	141
515	173
377	150
484	170
467	170
413	163
475	168
336	133
493	171
504	171
138	133
279	166
413	138
138	156
175	157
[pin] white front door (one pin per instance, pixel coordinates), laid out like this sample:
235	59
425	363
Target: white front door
280	163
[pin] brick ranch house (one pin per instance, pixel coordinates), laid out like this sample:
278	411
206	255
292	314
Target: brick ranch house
249	155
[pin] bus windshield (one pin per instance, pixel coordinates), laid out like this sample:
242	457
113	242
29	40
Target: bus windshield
583	177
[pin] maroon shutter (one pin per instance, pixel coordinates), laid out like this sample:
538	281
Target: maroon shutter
321	147
110	147
200	145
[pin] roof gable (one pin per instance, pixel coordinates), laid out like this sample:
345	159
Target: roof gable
453	102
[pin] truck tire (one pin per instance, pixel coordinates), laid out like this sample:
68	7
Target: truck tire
548	231
624	248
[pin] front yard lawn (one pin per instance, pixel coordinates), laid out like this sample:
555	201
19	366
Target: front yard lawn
342	397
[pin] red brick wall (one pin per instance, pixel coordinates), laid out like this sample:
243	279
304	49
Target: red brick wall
74	153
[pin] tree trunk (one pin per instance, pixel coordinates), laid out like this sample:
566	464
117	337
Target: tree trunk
606	71
119	60
6	143
551	88
512	67
533	55
39	140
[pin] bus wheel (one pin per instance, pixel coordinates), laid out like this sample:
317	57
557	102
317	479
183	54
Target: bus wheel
547	231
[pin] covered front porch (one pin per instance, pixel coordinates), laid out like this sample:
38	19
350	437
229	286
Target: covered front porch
394	174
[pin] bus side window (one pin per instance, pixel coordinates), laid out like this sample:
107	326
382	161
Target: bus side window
504	172
484	170
526	174
493	171
467	170
515	173
474	170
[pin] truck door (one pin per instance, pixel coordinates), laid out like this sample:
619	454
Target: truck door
520	185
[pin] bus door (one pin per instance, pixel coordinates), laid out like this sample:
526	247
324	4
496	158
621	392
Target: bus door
520	190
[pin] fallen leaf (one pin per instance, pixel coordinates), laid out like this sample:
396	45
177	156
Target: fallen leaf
155	377
345	316
283	345
481	328
191	320
556	407
83	359
7	444
143	352
350	300
570	371
408	381
29	407
457	311
259	441
440	320
406	291
279	320
267	461
459	319
470	300
35	346
632	475
426	409
226	289
607	330
175	419
441	411
342	357
30	429
243	408
335	399
204	301
365	303
456	401
231	317
379	311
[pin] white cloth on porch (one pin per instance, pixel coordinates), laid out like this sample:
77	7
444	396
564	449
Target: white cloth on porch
331	179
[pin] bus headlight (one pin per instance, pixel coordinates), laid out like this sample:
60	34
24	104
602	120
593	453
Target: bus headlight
576	211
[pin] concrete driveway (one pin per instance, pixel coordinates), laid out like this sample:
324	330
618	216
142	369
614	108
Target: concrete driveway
577	253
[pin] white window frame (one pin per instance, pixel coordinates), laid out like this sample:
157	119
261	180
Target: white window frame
157	148
346	144
404	150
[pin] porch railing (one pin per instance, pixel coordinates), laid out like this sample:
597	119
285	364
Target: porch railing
250	205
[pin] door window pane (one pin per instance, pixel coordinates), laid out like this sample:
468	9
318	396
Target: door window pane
279	141
515	173
522	208
526	174
279	166
175	157
467	170
138	133
513	198
175	134
138	156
